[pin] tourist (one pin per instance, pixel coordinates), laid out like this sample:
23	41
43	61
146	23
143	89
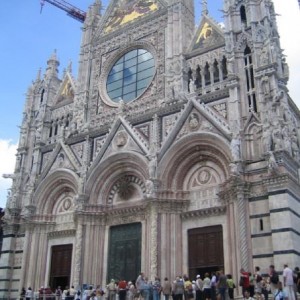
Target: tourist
213	284
251	284
274	278
23	293
265	287
131	291
29	294
179	289
279	293
288	281
199	287
206	287
112	289
72	293
156	288
166	288
244	281
296	281
258	283
231	286
247	295
122	288
188	289
222	284
65	293
58	293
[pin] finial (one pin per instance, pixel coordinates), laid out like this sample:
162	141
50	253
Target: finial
204	7
69	68
38	76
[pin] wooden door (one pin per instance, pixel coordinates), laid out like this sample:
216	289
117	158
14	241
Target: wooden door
205	250
61	262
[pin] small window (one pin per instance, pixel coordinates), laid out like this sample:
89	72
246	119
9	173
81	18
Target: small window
243	15
261	224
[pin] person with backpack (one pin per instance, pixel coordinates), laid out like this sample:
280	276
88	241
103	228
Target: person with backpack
258	283
274	278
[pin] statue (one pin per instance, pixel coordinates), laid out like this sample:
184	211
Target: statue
277	138
266	139
234	169
149	188
153	166
235	148
272	164
265	83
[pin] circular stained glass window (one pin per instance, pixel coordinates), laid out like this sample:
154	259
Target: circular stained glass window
130	76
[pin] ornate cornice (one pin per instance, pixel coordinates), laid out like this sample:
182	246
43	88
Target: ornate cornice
62	233
213	211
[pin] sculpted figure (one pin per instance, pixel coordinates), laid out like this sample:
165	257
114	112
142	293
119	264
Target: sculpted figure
149	188
235	148
272	164
266	139
277	139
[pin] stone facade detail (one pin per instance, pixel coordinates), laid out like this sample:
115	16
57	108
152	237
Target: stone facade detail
212	143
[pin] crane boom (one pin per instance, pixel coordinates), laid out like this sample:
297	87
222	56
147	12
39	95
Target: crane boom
70	9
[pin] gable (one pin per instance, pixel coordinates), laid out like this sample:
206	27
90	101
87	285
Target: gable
123	12
66	90
208	36
196	117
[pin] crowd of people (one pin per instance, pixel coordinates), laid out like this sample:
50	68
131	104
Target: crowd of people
215	286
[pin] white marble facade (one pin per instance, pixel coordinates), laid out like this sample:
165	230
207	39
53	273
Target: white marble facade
212	140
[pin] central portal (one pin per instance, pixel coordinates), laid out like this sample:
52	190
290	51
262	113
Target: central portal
124	261
205	250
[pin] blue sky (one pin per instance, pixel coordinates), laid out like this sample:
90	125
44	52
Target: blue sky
28	39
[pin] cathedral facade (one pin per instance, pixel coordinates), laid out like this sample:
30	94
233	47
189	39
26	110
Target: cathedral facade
174	151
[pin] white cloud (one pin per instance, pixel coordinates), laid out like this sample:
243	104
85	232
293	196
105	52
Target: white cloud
7	165
288	23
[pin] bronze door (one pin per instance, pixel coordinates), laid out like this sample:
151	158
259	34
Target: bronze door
205	250
60	270
124	261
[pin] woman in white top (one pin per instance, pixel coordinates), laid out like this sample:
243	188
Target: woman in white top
29	294
206	287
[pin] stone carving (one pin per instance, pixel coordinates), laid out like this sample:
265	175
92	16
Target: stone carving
235	146
265	83
272	164
277	138
221	109
234	169
266	139
204	176
149	188
153	166
194	122
264	57
121	139
295	146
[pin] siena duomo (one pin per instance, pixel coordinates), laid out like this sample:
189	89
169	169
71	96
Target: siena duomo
174	151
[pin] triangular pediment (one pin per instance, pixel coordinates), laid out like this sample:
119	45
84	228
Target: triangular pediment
61	157
123	12
196	117
208	36
121	138
66	90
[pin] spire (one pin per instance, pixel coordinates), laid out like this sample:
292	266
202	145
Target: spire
38	76
204	9
69	68
53	64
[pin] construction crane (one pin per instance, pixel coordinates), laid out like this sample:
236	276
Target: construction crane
70	9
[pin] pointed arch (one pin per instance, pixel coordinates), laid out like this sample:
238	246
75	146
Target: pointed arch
194	149
109	174
54	190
